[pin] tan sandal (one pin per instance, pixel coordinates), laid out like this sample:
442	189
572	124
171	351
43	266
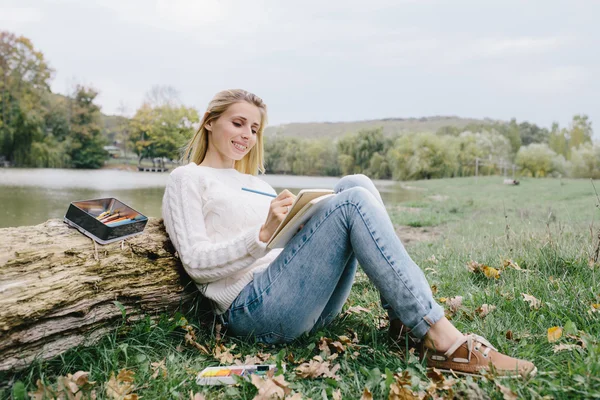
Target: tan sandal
472	354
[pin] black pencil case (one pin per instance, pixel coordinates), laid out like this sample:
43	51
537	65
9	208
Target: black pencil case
83	216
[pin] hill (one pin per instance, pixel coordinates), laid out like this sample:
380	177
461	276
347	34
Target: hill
390	126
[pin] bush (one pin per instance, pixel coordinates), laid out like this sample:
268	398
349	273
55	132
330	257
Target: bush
538	160
586	161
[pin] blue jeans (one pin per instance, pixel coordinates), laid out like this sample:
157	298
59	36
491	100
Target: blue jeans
305	287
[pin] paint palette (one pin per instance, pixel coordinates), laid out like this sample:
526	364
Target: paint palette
224	375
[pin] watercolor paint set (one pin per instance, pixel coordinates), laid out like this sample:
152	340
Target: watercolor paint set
224	375
105	220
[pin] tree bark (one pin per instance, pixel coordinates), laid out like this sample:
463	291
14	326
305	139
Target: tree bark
58	288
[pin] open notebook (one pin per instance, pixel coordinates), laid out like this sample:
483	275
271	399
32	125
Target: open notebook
307	203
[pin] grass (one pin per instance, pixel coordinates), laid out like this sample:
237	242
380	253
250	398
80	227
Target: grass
545	226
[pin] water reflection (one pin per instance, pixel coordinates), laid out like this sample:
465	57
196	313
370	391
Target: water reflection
32	196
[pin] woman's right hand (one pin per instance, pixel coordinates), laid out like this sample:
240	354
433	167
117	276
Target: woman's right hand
277	211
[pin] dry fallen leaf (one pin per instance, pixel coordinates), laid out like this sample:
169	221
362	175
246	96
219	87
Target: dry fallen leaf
329	346
439	381
42	392
72	387
569	347
223	354
317	368
554	333
507	392
473	266
337	395
533	302
259	358
270	388
356	310
484	310
190	338
120	388
434	289
159	367
454	303
491	272
367	395
512	264
595	308
197	396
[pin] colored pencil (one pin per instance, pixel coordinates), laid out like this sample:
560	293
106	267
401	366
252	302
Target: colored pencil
259	192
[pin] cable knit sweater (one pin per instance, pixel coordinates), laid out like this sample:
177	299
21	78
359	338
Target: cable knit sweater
214	226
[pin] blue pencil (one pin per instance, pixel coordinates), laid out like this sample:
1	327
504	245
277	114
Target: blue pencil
258	192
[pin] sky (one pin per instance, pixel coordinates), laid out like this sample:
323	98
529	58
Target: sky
336	60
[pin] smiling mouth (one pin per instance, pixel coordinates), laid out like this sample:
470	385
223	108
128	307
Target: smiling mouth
239	147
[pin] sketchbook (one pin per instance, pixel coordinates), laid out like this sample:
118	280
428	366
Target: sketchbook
307	203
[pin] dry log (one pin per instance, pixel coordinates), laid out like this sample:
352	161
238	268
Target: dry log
58	288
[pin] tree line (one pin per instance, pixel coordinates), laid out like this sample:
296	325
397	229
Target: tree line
41	129
450	152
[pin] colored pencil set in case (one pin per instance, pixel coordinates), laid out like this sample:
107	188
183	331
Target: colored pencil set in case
105	220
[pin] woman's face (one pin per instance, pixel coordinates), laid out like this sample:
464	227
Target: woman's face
234	133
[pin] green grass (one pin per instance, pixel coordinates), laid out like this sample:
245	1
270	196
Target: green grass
543	225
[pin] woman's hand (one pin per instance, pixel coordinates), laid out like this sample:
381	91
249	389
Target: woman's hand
277	211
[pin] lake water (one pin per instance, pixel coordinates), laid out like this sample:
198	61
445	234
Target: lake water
32	196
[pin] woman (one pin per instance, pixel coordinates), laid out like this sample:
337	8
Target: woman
273	296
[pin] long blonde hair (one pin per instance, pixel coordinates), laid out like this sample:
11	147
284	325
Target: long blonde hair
253	162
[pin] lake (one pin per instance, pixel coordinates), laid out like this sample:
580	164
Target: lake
32	196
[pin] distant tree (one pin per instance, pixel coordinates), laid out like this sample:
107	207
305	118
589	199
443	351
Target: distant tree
513	134
531	133
86	142
558	141
358	149
538	160
586	161
423	156
580	131
24	79
161	131
162	96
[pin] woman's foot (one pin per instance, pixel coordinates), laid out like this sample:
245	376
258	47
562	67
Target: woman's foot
471	354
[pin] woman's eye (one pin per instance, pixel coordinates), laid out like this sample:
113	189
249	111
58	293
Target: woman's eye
237	124
254	132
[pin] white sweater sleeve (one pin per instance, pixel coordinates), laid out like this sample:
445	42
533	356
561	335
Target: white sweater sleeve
203	260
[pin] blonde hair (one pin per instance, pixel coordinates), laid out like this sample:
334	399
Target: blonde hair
253	162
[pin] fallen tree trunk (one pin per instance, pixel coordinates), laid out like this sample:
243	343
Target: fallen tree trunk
58	288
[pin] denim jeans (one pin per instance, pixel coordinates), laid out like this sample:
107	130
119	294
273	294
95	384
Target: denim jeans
305	287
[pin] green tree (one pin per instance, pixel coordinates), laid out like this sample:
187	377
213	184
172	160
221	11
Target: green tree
531	133
85	141
423	156
586	161
24	79
161	131
513	134
558	141
581	131
538	160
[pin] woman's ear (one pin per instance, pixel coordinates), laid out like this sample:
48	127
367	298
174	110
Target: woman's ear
208	125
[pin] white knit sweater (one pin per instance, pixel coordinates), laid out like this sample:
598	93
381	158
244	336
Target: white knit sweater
214	226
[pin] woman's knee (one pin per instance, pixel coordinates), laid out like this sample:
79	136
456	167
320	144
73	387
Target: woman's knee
350	181
358	181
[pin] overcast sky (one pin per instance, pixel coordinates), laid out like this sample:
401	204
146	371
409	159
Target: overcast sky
336	60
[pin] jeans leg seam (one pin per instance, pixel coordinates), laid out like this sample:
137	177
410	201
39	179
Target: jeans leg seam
386	257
